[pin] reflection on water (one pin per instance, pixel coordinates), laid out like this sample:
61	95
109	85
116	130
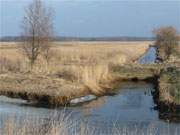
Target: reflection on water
130	104
95	104
132	108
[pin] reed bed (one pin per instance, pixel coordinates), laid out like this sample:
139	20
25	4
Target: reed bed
70	64
64	125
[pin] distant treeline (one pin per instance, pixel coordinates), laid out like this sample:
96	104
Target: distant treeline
18	39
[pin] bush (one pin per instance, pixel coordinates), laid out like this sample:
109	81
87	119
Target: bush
166	41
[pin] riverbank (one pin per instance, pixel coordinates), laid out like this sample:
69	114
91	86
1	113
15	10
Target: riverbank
137	72
130	111
53	90
168	85
74	69
169	93
59	83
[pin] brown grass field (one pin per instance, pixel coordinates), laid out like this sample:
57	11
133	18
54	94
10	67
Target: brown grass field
74	68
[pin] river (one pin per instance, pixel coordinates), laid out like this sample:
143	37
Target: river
130	111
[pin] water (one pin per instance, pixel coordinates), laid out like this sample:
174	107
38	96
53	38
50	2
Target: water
132	107
130	110
149	57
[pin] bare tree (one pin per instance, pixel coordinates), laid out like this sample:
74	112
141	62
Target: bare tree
37	31
166	40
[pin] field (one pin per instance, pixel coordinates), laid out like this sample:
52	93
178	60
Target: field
73	69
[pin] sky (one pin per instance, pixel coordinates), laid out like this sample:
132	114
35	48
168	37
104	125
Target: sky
97	18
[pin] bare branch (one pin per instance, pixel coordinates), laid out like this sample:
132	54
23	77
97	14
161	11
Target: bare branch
166	40
37	30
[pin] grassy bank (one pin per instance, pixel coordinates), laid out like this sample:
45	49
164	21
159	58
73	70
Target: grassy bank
74	69
137	72
169	91
169	83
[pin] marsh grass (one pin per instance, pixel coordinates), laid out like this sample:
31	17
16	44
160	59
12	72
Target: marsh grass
170	85
64	125
72	66
57	124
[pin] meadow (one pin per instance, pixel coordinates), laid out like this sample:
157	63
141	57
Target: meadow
73	69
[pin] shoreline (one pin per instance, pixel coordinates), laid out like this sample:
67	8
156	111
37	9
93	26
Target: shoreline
167	110
39	90
53	90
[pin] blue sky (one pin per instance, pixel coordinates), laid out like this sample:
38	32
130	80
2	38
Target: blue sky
97	18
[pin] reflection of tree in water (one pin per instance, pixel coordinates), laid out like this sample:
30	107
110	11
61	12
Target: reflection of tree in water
95	104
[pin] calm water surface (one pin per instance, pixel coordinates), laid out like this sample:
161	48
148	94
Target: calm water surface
149	57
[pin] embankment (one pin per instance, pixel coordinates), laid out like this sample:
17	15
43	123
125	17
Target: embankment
52	90
169	93
39	89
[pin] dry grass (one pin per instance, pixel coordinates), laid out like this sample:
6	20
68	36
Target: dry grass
72	64
64	125
71	54
169	86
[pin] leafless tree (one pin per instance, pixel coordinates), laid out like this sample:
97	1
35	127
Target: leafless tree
37	26
166	40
